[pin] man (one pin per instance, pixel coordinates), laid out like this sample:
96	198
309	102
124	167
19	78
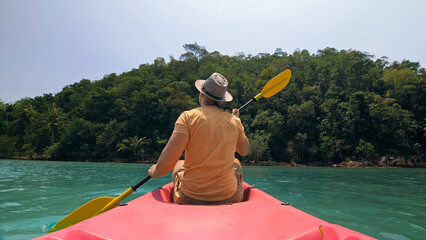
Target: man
209	135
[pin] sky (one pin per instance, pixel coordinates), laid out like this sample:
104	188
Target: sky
46	45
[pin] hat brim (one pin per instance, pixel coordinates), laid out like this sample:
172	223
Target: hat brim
199	86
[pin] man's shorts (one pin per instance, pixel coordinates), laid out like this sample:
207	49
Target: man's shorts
180	197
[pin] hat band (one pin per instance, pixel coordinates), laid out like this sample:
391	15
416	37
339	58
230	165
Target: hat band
210	95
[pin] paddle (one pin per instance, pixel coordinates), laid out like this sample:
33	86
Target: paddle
274	85
95	207
103	204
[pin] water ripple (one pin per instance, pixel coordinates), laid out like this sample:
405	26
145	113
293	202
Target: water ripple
12	189
10	204
393	236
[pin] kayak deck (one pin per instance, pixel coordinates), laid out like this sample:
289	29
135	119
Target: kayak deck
155	216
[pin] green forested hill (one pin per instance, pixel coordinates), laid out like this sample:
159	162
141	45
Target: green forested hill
339	106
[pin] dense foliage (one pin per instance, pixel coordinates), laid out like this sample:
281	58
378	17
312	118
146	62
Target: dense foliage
339	106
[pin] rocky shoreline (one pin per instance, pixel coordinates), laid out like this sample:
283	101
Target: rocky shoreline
418	161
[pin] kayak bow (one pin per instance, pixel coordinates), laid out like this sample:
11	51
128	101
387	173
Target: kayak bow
155	216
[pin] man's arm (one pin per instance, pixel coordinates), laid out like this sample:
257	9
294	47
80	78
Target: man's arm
243	146
170	155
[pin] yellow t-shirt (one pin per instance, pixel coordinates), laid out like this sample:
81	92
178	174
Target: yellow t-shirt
209	156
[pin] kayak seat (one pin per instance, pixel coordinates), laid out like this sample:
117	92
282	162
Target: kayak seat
165	193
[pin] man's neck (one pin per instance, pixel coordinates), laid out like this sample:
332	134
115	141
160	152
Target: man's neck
205	101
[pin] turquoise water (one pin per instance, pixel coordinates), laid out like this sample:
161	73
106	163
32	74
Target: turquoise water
382	203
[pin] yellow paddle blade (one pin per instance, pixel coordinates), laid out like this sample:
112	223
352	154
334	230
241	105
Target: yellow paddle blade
275	85
91	209
84	212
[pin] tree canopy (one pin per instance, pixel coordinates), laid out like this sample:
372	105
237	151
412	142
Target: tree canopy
339	106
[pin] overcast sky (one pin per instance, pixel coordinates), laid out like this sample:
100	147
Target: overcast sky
46	44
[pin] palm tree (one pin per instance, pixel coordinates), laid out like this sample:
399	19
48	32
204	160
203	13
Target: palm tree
133	146
54	121
24	121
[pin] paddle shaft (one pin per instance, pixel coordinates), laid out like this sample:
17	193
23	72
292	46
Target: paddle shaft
114	203
274	85
247	103
142	182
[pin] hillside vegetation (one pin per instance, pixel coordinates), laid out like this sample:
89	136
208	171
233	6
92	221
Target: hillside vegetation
340	106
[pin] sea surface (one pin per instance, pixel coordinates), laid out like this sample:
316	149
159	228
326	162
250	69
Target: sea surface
382	203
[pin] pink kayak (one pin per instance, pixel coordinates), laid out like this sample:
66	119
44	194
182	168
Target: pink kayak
155	216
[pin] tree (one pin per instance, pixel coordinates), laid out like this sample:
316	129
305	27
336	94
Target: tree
298	148
25	120
259	146
365	151
55	122
327	148
395	127
78	141
108	138
133	147
408	88
271	123
194	50
301	118
3	119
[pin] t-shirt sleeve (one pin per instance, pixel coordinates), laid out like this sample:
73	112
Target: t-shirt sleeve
181	124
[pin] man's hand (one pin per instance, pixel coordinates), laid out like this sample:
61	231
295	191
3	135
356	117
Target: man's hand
151	171
236	112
